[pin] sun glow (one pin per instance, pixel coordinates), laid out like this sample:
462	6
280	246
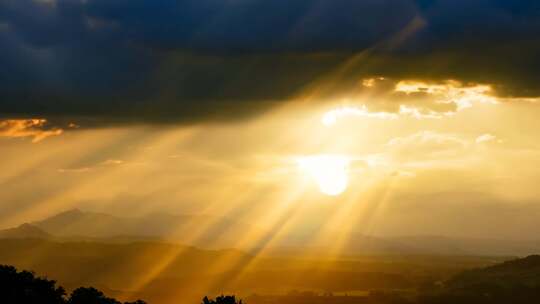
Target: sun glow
328	171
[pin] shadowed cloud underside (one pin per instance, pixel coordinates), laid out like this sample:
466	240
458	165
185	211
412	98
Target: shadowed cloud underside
105	62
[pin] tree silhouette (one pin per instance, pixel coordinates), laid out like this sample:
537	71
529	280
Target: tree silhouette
25	288
221	300
90	295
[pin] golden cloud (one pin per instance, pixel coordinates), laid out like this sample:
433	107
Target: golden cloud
387	98
35	128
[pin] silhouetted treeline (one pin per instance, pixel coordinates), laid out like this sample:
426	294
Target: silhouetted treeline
25	287
221	300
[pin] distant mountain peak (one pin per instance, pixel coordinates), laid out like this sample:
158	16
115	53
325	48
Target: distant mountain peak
27	226
24	231
74	211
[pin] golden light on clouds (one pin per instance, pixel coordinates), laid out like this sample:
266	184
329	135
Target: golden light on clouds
27	128
450	91
332	116
386	98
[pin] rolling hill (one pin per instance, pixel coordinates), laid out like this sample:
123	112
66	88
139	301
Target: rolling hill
220	232
514	281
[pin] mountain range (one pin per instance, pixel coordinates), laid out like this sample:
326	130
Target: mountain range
221	232
196	230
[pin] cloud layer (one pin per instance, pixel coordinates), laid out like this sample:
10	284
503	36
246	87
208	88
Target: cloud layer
190	60
35	128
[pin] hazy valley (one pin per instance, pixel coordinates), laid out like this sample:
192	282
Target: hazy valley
153	258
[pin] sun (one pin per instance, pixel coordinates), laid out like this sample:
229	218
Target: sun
328	171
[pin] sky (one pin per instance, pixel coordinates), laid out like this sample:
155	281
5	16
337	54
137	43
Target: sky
425	111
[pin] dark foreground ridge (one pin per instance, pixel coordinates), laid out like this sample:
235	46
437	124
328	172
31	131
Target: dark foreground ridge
25	287
516	281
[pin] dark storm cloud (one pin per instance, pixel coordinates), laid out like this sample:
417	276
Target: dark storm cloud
187	60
